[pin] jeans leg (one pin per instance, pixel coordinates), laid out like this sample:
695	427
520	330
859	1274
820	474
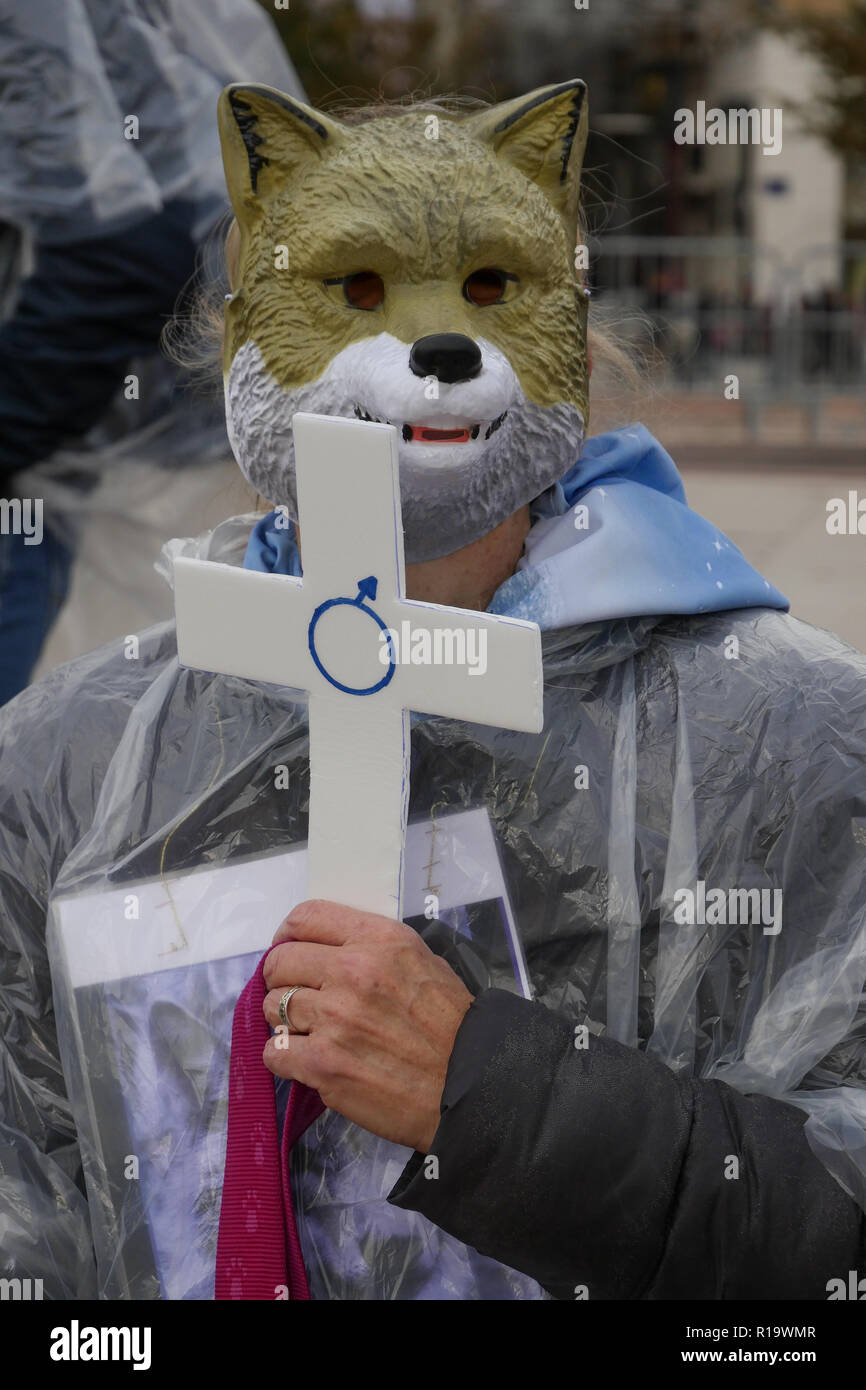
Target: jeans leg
34	582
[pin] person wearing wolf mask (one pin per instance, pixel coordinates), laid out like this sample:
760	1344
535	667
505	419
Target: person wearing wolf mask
679	1111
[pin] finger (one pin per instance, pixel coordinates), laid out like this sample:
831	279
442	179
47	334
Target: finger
297	963
331	924
294	1062
300	1010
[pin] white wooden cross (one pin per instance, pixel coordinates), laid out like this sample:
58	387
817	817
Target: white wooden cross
330	634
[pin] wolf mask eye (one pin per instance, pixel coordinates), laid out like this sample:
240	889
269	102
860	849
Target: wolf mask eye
365	290
487	286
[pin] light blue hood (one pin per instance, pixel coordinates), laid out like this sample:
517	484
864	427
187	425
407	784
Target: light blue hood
615	538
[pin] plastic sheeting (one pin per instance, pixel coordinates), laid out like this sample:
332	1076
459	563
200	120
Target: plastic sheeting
73	73
151	811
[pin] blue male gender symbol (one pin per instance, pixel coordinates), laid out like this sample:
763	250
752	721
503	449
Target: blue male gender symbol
366	589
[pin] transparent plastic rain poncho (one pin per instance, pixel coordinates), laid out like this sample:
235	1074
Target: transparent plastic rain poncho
74	73
153	814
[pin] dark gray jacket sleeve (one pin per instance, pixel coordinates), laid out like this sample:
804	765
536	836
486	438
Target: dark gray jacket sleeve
601	1174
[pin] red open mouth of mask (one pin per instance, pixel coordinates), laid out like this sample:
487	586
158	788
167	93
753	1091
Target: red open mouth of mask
424	434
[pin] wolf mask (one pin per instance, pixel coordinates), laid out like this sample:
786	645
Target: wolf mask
417	270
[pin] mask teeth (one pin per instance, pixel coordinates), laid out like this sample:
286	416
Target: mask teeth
362	414
491	429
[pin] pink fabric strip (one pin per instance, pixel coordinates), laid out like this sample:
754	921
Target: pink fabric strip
258	1249
305	1105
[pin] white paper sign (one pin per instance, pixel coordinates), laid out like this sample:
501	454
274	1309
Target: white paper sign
212	913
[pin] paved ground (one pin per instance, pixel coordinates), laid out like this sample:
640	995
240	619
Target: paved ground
115	589
777	516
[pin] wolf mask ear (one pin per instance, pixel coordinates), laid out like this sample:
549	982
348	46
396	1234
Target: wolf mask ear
544	136
265	136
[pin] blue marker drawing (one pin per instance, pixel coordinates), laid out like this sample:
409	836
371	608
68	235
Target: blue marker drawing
366	590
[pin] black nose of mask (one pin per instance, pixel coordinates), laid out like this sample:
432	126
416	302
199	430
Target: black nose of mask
450	357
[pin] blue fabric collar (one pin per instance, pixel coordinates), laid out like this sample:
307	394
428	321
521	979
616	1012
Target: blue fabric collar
614	538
